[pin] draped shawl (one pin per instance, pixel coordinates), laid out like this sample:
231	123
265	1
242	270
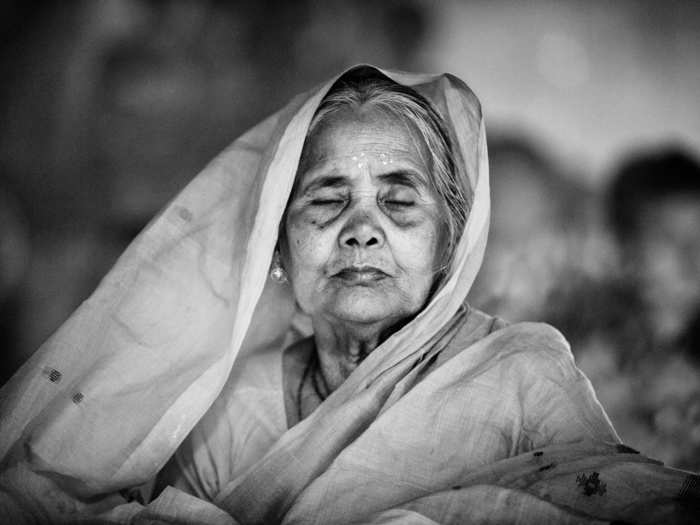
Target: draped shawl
104	403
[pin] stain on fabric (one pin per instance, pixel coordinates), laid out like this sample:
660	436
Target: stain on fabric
184	213
77	397
591	484
53	374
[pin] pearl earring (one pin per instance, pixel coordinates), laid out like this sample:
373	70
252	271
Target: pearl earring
277	273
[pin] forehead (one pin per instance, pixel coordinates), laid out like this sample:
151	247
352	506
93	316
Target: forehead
350	135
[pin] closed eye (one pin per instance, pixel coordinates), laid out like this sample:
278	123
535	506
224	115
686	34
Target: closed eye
326	202
399	197
394	202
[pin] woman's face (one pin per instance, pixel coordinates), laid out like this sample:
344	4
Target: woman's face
363	226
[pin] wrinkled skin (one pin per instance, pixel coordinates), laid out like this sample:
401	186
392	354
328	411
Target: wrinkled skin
361	235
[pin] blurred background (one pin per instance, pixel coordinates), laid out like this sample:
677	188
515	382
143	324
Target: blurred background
109	107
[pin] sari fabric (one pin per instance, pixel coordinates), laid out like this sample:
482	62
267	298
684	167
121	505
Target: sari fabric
105	402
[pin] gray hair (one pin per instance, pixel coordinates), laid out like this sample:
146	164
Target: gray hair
407	105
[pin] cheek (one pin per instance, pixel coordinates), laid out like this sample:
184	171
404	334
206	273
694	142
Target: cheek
416	252
424	246
309	248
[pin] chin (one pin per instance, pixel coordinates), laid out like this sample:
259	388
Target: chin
360	316
367	308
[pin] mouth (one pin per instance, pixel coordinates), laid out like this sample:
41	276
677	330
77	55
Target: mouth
360	274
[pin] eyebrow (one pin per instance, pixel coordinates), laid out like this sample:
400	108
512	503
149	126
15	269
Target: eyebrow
408	178
327	181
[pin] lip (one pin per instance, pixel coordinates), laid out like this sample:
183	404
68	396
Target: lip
360	274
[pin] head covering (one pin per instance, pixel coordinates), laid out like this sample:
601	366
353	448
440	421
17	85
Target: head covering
108	398
104	403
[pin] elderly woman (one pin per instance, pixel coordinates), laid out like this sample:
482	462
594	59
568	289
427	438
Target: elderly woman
357	386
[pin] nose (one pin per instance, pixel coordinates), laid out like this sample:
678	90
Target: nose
362	230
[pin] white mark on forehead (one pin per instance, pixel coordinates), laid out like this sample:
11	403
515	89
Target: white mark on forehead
362	159
349	144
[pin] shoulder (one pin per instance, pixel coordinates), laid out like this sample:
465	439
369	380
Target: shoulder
532	334
535	373
523	355
537	354
539	342
535	345
518	354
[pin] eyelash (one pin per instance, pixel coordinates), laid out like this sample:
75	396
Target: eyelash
327	202
386	202
394	202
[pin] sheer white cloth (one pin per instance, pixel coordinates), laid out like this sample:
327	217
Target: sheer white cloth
106	401
109	397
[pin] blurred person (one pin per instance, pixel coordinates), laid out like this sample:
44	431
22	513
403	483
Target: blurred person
535	239
654	207
654	203
632	327
355	385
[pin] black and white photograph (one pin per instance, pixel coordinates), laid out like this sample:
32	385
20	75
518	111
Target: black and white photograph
421	262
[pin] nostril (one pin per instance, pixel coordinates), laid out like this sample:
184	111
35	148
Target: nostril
361	233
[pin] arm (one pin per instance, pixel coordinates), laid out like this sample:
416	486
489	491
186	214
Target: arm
559	403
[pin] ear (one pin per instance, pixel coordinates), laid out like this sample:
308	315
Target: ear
282	245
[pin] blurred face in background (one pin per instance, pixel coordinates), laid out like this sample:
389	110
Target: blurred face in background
667	255
527	250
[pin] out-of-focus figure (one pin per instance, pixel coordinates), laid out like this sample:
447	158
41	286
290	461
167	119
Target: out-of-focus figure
633	327
654	204
655	212
535	237
633	320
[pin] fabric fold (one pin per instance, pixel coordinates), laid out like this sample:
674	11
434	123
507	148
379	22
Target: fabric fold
105	402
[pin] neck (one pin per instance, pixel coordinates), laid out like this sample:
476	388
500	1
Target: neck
342	347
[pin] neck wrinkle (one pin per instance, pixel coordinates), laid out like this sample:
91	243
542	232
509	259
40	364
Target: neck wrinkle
339	353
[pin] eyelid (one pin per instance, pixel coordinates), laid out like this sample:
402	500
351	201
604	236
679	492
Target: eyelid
396	193
398	202
402	193
325	192
325	183
400	198
404	177
326	196
327	201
